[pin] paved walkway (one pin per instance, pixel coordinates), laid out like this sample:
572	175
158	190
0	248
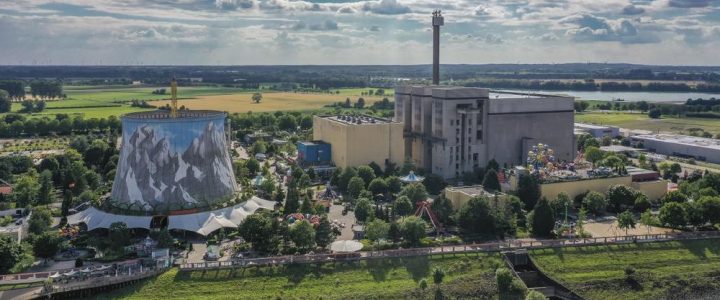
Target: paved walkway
348	219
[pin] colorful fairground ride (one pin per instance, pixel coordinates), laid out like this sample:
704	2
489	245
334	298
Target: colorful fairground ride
542	163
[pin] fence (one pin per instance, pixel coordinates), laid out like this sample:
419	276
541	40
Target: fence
42	276
451	249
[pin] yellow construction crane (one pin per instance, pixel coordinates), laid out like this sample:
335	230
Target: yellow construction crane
173	99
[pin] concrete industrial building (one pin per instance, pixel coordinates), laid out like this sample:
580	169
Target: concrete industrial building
360	140
703	149
453	130
598	131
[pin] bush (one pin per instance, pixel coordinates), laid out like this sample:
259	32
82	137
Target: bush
504	279
655	113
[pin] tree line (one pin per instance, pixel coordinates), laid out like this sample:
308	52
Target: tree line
591	85
16	125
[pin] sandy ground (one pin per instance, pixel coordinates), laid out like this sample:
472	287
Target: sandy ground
607	227
348	219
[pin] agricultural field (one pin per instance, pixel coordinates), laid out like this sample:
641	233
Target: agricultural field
669	270
642	121
105	101
242	103
470	276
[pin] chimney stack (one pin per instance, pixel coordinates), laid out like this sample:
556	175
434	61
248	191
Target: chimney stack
437	21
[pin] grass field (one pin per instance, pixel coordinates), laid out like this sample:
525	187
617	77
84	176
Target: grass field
673	270
242	103
466	277
642	121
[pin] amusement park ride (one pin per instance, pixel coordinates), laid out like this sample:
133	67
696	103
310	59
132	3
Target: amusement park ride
423	207
173	99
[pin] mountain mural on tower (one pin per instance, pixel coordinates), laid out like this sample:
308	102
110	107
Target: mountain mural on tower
173	165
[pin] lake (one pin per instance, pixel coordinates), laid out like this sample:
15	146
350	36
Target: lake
629	96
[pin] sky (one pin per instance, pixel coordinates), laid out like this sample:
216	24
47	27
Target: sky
348	32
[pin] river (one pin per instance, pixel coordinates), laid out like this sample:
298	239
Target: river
629	96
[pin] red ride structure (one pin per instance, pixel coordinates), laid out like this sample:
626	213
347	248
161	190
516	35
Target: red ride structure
423	207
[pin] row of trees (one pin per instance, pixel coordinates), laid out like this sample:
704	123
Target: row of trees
591	85
18	126
49	90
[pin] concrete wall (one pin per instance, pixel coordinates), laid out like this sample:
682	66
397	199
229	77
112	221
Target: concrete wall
457	198
574	188
355	145
654	190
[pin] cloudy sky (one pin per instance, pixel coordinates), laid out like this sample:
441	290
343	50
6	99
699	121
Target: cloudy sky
251	32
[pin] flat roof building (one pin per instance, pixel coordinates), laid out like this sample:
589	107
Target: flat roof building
598	131
453	130
703	149
360	140
460	195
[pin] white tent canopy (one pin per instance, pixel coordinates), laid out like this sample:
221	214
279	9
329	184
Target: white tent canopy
203	223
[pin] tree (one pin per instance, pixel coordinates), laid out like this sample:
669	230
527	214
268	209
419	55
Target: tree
257	97
434	183
655	113
594	202
695	216
257	229
324	234
626	221
363	210
504	279
355	187
528	191
26	189
306	207
535	295
10	253
403	206
673	214
491	182
543	219
394	184
377	230
412	229
711	208
443	209
394	233
118	235
581	217
253	166
476	216
46	190
620	195
415	192
287	122
560	204
438	276
648	220
46	245
593	154
40	220
259	147
376	168
5	103
303	235
642	203
366	173
423	284
674	196
292	201
378	186
163	238
347	174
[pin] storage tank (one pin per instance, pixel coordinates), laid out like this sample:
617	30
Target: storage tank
171	164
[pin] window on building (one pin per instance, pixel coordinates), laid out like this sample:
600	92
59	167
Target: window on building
457	122
475	156
478	134
457	166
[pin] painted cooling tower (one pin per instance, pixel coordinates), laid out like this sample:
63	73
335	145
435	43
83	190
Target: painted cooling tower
169	164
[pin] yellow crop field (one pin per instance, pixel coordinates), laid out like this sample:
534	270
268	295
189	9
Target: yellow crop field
242	103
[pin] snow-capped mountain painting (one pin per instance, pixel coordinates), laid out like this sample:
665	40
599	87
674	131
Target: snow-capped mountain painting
172	165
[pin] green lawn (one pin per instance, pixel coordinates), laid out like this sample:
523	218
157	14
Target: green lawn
663	270
466	277
642	121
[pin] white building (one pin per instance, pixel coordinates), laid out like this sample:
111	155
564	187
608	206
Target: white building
703	149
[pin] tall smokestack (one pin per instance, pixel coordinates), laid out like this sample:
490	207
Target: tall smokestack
437	21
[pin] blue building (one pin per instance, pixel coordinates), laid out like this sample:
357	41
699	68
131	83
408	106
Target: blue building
314	153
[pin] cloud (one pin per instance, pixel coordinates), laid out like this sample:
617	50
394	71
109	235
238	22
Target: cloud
632	10
689	3
233	4
346	10
590	28
386	7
